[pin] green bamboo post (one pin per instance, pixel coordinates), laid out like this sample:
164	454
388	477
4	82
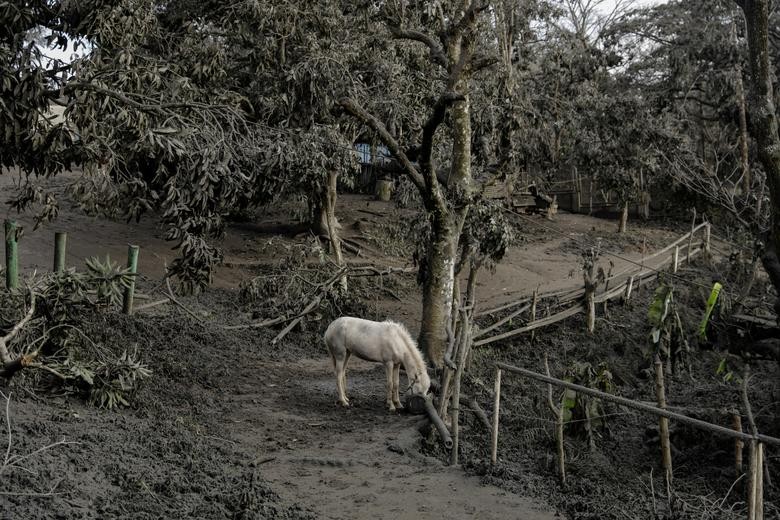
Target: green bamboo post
60	241
132	264
11	255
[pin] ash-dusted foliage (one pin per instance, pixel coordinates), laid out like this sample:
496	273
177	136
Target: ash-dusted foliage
183	109
57	345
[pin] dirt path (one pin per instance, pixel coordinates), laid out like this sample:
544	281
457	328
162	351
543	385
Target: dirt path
356	463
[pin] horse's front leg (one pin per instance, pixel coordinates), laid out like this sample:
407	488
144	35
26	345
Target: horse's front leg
389	370
396	383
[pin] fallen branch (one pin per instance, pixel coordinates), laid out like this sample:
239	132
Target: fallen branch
261	324
152	304
478	411
173	299
349	246
312	304
309	308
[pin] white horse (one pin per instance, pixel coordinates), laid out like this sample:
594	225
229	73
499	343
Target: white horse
384	342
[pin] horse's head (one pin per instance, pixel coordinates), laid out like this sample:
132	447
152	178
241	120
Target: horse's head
421	383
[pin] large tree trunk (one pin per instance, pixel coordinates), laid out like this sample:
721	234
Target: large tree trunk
765	125
438	289
447	223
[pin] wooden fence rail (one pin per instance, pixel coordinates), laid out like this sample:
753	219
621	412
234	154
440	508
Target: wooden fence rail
756	441
622	284
641	406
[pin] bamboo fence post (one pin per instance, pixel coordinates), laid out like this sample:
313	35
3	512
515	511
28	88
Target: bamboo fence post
736	421
558	414
464	344
676	259
533	312
496	404
132	265
60	242
707	234
629	288
753	482
663	422
760	481
690	238
11	255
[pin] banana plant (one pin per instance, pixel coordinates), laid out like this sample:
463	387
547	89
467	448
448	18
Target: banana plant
667	335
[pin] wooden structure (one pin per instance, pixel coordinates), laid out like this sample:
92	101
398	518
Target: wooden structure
564	304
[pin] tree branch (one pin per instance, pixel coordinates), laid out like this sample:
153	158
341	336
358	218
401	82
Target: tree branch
145	107
479	63
429	130
468	19
436	52
351	106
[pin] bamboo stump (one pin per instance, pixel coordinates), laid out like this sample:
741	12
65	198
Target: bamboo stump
384	189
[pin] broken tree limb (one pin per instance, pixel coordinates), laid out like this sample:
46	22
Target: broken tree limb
261	324
312	304
155	303
11	365
446	439
309	308
5	340
477	410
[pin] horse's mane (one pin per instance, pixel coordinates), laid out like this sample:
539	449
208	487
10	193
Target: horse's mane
410	343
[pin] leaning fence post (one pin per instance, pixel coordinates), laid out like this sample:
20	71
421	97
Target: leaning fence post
663	422
132	265
60	241
496	403
756	482
11	255
629	288
760	481
690	238
676	259
736	422
533	311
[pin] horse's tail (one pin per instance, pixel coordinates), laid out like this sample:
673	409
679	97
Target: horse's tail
331	338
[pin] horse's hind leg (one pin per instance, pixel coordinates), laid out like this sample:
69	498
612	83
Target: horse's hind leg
340	356
343	394
341	379
396	375
389	371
